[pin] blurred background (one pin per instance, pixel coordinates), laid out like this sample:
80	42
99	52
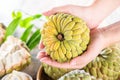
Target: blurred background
39	6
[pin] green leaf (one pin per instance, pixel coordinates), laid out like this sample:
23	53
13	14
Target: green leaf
16	14
37	16
27	21
35	42
34	39
12	27
26	33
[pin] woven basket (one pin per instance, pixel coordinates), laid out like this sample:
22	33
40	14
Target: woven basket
41	75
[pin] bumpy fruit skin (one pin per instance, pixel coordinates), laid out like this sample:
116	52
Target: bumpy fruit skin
54	72
17	75
107	65
14	55
77	75
65	36
2	33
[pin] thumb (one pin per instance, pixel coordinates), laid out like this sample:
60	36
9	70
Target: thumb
64	9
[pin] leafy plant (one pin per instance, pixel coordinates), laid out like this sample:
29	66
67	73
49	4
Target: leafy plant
12	27
31	41
26	33
34	39
25	23
16	14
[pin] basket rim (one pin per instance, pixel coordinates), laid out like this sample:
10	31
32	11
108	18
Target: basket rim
38	76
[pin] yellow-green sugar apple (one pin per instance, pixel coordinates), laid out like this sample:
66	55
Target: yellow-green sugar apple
17	75
77	75
2	33
65	36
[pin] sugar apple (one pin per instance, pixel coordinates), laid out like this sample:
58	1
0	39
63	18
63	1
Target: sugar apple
2	33
65	36
107	65
17	75
14	55
77	75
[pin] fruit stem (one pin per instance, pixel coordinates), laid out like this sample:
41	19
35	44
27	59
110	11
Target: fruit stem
60	36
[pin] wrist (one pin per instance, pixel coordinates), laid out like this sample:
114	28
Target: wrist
105	39
97	36
93	15
102	8
111	33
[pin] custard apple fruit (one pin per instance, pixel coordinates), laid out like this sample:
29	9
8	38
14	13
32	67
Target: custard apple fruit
17	75
65	36
77	75
2	33
14	55
107	65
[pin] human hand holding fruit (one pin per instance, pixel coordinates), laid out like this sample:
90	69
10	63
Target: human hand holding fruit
86	13
100	38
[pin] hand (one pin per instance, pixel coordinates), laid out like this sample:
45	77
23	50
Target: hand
86	13
96	45
92	15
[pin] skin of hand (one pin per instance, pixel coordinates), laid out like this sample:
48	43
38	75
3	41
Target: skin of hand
92	15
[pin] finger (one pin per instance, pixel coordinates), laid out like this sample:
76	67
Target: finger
64	9
78	62
51	62
41	45
68	65
48	13
41	55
